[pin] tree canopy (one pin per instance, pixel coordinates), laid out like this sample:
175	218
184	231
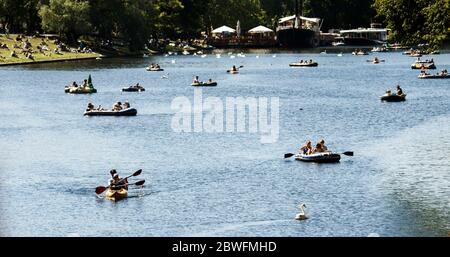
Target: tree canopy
135	21
416	21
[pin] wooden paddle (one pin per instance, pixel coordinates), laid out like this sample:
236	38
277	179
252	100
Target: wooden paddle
240	67
99	190
289	155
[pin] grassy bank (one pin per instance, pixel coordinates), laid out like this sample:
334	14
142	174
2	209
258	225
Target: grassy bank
37	55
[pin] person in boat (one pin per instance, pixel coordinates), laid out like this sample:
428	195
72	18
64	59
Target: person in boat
388	92
210	81
234	69
322	144
90	107
116	183
310	61
306	149
85	83
117	107
399	90
196	80
376	59
74	84
301	61
126	105
318	149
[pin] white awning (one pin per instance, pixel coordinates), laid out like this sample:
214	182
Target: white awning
315	20
224	29
260	29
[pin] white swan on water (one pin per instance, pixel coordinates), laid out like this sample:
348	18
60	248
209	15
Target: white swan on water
301	215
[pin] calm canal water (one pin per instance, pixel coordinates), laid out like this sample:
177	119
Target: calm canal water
226	184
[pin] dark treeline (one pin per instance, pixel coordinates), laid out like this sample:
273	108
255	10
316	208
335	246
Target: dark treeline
135	21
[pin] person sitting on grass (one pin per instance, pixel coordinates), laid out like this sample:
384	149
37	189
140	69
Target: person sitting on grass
13	54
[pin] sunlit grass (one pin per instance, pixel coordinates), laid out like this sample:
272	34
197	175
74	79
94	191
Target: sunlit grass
5	54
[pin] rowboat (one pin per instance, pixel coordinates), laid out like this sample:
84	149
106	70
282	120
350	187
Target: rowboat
423	65
393	98
319	157
126	112
79	90
154	69
304	64
437	76
133	89
204	84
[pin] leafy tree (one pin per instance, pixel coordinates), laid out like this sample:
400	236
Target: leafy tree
416	21
69	18
20	15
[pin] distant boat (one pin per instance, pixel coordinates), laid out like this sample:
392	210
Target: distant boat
298	31
375	35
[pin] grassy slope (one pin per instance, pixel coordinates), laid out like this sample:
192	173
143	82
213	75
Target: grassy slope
5	54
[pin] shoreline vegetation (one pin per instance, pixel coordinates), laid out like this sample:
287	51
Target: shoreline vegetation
109	27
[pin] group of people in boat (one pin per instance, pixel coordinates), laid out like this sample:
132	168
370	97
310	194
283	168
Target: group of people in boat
197	81
116	107
360	52
306	61
426	61
308	149
399	91
443	73
155	66
84	84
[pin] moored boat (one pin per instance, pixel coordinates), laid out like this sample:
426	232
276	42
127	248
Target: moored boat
393	98
360	53
116	195
125	112
319	157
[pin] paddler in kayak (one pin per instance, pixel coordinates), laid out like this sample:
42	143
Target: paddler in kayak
116	182
306	149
